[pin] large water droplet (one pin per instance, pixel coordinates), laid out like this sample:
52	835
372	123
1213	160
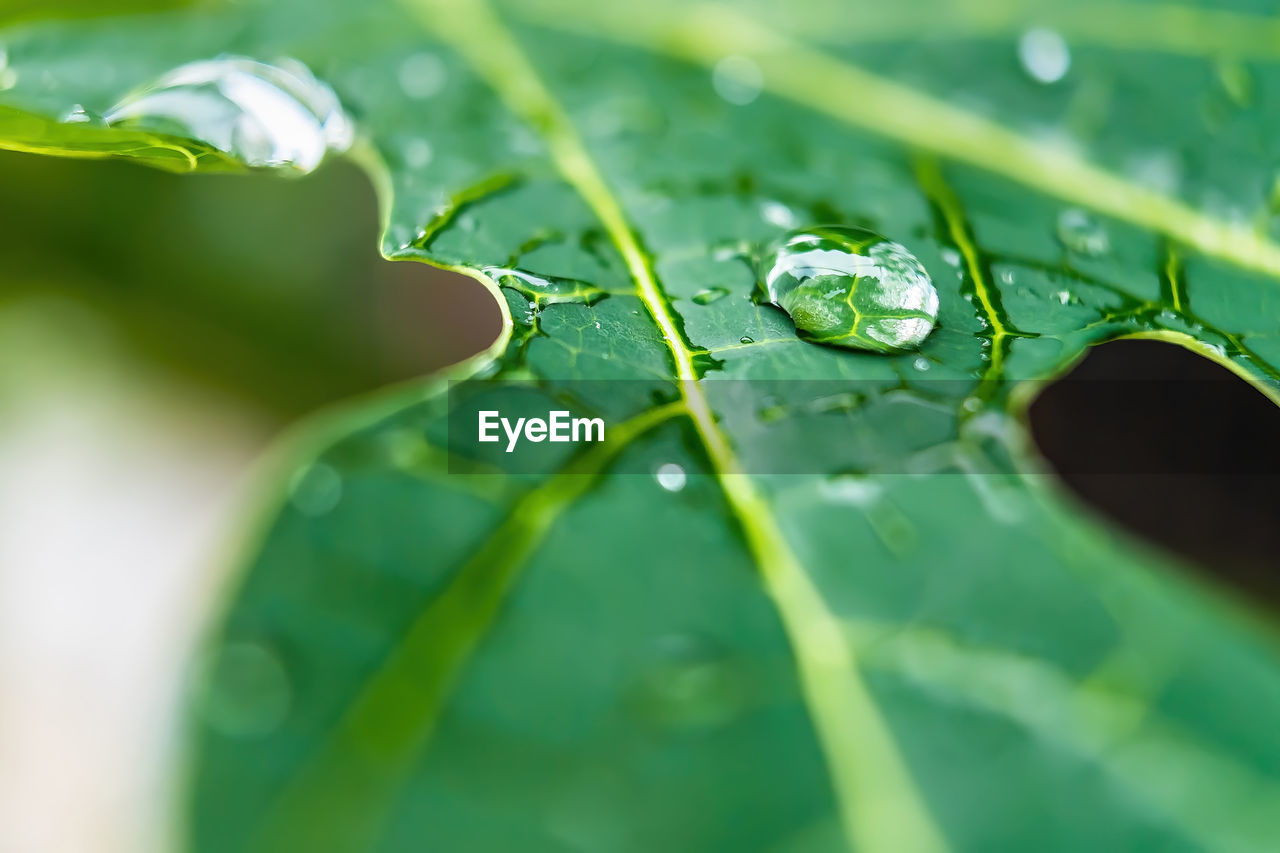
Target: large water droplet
851	287
244	690
1082	234
1044	55
264	115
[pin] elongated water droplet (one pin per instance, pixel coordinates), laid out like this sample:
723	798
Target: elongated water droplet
851	287
671	477
1044	55
1081	233
264	115
711	294
746	339
544	289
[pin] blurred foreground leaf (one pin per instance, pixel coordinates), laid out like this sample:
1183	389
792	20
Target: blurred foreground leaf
735	627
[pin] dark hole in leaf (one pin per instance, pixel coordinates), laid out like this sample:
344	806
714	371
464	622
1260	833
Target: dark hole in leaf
1176	449
268	289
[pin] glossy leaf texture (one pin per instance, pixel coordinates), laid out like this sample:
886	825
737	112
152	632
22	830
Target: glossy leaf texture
867	621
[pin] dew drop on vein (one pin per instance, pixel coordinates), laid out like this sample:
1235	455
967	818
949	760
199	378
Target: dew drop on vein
266	115
851	287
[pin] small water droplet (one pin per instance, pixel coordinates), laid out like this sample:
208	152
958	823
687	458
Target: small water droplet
79	115
851	287
671	477
1063	296
746	339
243	690
422	75
950	255
711	294
1081	233
689	682
1044	55
971	404
851	489
737	79
264	115
316	490
1006	276
921	364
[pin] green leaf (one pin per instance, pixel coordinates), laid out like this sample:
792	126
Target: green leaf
737	624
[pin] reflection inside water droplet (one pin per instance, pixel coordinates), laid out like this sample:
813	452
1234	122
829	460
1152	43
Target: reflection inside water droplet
851	287
264	115
243	690
1044	55
671	477
1081	233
